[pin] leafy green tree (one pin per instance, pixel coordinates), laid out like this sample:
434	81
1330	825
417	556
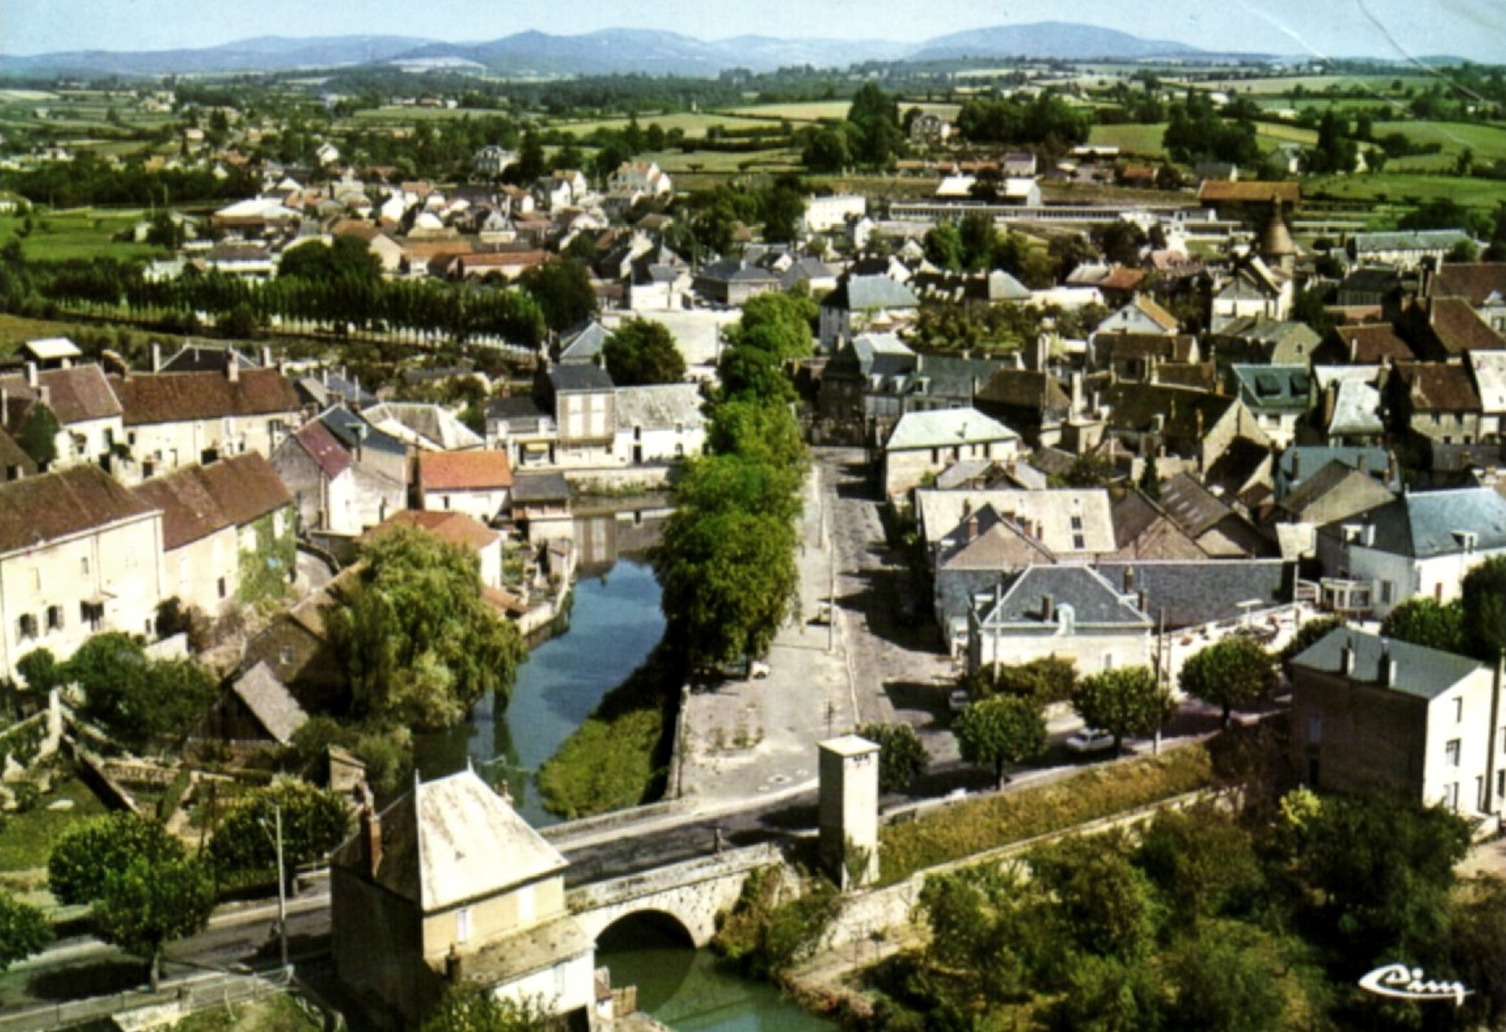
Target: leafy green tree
827	150
24	930
986	931
1150	479
752	373
1123	701
729	581
37	435
781	208
1483	599
641	351
1233	671
314	822
1046	680
1202	863
1224	981
417	641
40	670
1308	635
1089	470
563	292
902	755
1104	994
758	432
999	730
943	246
88	852
347	256
777	323
466	1008
980	240
149	903
150	700
719	483
1427	622
1103	903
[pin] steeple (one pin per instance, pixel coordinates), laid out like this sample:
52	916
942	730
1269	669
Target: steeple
1276	245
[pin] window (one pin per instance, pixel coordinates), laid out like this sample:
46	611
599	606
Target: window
463	924
83	565
54	618
1385	587
1451	753
1451	796
1314	728
1079	542
1076	522
26	627
220	584
286	656
92	614
1459	710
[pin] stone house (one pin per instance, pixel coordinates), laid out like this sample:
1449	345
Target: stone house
88	413
227	532
658	423
79	554
1447	329
1192	425
1254	291
344	474
449	885
179	419
1066	612
733	281
1376	715
1436	402
1421	544
477	483
1278	396
541	505
1142	315
860	302
584	403
1220	530
1481	284
1405	249
925	443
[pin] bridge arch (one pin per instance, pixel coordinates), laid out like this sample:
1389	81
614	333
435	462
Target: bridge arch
669	927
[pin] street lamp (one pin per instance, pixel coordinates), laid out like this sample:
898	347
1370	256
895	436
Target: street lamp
282	891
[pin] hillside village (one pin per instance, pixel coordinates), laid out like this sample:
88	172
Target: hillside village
1108	430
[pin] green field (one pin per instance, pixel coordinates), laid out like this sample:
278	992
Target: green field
1408	189
78	233
1487	141
684	165
692	123
1144	140
1377	86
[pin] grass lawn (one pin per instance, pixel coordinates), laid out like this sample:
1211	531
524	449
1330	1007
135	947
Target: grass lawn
679	163
26	839
1394	187
276	1013
694	123
1287	133
1487	141
77	233
1376	85
1130	139
808	111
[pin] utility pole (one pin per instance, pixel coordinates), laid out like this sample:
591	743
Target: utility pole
282	888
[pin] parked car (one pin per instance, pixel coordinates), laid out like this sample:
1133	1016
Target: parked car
1090	740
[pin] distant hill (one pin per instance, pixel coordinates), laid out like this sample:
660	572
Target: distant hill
264	53
1069	41
605	51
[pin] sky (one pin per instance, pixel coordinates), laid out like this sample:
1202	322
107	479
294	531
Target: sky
1474	29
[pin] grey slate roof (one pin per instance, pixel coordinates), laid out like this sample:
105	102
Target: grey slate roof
1410	240
540	487
1274	388
270	702
1094	601
1426	524
1421	672
584	343
659	406
861	293
945	427
580	378
1300	461
347	428
1195	592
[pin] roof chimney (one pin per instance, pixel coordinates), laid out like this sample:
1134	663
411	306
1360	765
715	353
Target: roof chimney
233	367
1296	465
1386	670
1129	580
156	357
972	527
1048	608
371	831
1346	658
31	375
266	356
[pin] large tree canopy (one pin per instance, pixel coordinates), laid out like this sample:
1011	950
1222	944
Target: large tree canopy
1001	729
641	351
1124	701
418	642
563	292
88	853
314	821
1233	671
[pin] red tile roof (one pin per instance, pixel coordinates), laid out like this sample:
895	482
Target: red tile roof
464	471
454	527
199	500
1473	281
1249	191
1439	387
1368	344
1458	328
37	510
179	397
324	448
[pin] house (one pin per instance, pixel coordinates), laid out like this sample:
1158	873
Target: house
1335	491
14	462
1135	356
88	413
256	707
458	529
1406	249
449	884
1481	284
658	423
178	419
860	302
732	281
1143	529
1255	290
1219	529
1436	402
493	160
245	259
925	443
1192	425
522	428
1261	340
861	383
1029	400
1489	370
1365	344
227	532
296	648
1421	544
541	505
1445	329
474	482
1142	315
51	352
422	427
345	474
832	211
1278	396
79	554
584	404
1371	714
1198	593
1350	405
257	216
1066	612
1297	463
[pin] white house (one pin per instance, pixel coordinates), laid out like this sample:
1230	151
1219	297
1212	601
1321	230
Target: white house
659	423
1065	612
473	482
929	442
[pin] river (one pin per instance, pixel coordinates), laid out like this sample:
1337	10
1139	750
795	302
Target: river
615	623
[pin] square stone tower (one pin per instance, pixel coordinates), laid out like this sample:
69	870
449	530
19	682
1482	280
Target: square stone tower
849	810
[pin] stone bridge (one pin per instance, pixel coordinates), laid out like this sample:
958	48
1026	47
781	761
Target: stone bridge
692	893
